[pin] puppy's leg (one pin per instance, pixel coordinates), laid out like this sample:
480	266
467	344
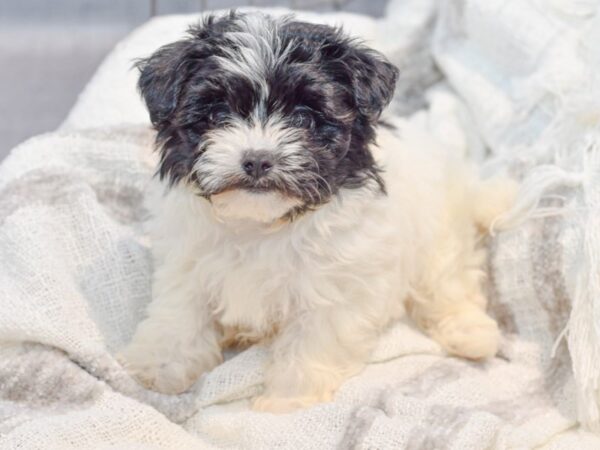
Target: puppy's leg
454	315
313	356
177	341
449	302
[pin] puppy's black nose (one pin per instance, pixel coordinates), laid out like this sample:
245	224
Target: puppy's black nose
257	164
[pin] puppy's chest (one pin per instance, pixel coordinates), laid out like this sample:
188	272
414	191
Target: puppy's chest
254	287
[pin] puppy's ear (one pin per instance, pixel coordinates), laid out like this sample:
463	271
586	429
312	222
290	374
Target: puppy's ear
370	76
164	75
162	79
373	78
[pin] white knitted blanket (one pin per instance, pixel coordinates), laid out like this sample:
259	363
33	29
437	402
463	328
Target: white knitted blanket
519	95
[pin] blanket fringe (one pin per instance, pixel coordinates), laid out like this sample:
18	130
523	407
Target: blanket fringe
582	331
583	328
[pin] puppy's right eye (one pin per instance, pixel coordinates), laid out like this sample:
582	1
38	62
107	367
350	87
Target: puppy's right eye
302	117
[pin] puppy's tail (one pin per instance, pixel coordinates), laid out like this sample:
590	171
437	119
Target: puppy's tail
502	203
492	199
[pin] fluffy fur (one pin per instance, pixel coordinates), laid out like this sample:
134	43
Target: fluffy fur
294	218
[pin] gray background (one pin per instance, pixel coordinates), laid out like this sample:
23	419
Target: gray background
50	48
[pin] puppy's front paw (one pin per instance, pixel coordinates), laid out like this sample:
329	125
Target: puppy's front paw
163	375
470	333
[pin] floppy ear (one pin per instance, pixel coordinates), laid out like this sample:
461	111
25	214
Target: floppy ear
162	78
368	73
164	75
374	80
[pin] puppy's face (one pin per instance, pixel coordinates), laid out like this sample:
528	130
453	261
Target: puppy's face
265	117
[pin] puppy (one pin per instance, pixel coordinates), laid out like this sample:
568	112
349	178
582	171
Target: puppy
294	218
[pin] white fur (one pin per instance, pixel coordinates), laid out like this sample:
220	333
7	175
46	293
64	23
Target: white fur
321	288
224	149
258	48
248	206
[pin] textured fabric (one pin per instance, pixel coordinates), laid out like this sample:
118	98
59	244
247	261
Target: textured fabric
75	262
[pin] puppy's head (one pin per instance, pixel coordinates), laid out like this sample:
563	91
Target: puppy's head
266	117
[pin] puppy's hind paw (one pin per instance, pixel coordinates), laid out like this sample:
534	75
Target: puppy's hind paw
470	334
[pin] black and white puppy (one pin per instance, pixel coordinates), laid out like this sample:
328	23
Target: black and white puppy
293	218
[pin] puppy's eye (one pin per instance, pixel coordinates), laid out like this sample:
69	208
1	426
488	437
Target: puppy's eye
302	117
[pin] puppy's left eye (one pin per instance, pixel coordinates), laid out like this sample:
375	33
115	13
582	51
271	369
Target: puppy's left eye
302	117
